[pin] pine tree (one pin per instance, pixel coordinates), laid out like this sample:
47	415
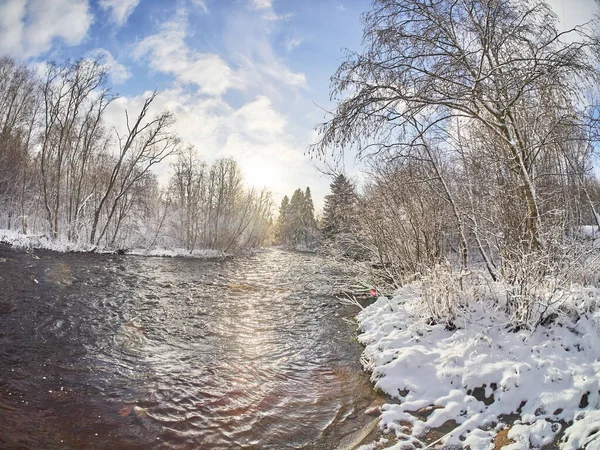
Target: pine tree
339	213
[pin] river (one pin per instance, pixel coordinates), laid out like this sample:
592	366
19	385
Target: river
125	352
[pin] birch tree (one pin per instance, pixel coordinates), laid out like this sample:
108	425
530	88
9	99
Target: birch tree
498	64
147	142
74	97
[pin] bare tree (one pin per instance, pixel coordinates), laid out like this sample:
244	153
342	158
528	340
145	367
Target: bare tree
147	143
187	190
18	108
500	64
69	104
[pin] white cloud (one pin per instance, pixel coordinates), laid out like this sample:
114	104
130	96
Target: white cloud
292	42
201	4
256	72
258	64
120	9
30	27
117	71
258	119
261	4
167	52
265	8
12	15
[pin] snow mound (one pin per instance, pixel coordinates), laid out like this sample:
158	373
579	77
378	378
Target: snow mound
473	376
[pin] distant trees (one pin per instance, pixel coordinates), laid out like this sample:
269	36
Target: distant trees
211	208
65	173
297	226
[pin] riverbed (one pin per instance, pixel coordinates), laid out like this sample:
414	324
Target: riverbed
126	352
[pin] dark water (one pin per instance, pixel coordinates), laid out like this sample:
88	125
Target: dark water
111	352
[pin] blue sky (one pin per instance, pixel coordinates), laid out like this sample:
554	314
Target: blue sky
245	78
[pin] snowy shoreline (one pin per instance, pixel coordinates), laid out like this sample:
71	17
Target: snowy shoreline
485	384
41	242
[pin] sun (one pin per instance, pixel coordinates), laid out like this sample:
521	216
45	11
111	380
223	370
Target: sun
261	173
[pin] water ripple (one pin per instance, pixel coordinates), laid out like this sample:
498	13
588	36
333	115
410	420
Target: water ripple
128	352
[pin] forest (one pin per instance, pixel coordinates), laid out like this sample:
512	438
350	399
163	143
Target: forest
65	174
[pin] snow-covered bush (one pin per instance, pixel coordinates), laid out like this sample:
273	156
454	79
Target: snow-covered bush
480	378
538	283
443	295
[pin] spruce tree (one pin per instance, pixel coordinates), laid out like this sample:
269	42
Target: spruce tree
295	214
339	213
308	210
282	220
297	225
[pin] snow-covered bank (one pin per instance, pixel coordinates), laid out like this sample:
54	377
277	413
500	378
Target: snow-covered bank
34	241
476	375
30	241
179	252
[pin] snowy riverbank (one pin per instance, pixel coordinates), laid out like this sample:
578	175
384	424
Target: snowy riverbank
30	241
484	384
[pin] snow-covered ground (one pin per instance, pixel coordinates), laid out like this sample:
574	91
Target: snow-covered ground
30	241
33	241
178	252
548	379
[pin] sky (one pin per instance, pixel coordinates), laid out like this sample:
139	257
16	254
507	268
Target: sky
247	79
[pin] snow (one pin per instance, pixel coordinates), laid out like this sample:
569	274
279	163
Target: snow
546	376
178	252
589	231
585	431
31	241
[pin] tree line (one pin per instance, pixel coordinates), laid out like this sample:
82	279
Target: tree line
65	173
296	224
297	227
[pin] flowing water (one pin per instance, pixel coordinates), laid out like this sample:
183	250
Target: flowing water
124	352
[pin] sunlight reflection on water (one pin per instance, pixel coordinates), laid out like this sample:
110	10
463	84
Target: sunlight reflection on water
181	353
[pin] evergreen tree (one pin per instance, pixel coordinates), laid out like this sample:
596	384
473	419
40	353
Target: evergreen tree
297	225
308	212
339	213
295	217
282	220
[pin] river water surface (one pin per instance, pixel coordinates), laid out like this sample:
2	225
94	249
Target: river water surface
124	352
